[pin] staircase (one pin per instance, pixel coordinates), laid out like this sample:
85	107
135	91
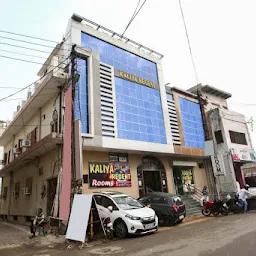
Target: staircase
192	206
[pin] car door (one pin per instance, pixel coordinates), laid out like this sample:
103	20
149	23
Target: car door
158	204
105	203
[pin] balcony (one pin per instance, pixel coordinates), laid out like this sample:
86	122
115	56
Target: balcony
49	87
40	148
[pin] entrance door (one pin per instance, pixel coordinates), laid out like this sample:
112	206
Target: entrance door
183	179
52	185
152	181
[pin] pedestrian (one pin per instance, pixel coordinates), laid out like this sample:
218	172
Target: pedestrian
37	222
205	197
242	196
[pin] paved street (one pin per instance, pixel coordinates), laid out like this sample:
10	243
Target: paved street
232	235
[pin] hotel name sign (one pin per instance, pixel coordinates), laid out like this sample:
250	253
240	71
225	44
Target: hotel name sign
136	79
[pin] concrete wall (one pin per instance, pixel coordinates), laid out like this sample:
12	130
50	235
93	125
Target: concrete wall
42	120
26	205
214	101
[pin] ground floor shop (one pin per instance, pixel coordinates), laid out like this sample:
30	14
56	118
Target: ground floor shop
139	174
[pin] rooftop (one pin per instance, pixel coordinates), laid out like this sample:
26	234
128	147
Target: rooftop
115	35
211	90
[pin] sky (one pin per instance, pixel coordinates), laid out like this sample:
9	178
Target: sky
222	36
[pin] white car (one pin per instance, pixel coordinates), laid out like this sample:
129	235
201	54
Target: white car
127	214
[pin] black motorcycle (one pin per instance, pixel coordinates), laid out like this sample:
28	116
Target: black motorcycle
233	205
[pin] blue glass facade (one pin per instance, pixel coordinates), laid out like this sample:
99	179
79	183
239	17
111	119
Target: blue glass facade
138	107
121	59
139	112
81	99
192	124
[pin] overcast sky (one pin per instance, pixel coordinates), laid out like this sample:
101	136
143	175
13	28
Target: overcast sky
222	35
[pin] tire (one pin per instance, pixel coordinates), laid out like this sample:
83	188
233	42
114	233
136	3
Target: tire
121	230
215	213
180	221
206	212
224	211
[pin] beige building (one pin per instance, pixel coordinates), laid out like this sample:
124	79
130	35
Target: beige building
131	133
32	144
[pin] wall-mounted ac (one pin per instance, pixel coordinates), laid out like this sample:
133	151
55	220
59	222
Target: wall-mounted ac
16	151
26	191
25	144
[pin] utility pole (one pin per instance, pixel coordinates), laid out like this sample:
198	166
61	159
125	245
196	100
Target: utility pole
73	160
207	161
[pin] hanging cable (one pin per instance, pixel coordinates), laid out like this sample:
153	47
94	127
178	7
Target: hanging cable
134	15
189	45
24	88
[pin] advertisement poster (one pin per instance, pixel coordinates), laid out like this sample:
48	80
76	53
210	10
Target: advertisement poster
187	180
104	174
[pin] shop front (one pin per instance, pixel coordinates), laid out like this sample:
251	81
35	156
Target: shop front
132	174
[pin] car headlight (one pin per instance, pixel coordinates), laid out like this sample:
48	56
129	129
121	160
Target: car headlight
132	217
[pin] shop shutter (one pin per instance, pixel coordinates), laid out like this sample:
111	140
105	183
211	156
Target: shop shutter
173	122
108	110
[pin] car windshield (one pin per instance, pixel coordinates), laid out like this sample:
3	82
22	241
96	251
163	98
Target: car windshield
127	203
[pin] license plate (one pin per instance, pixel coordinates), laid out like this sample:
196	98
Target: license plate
149	226
181	217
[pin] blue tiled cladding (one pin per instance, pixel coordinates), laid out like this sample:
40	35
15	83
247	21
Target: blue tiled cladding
169	96
192	124
139	112
121	59
81	99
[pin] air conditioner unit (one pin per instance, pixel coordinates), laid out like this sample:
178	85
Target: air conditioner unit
16	151
25	144
26	191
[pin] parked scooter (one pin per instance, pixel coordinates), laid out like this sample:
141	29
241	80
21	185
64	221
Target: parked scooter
108	227
233	205
215	208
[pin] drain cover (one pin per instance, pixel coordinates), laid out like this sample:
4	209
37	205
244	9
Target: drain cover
106	250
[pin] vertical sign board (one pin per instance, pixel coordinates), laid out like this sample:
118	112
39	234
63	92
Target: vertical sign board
79	216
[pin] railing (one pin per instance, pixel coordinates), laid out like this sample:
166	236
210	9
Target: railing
148	190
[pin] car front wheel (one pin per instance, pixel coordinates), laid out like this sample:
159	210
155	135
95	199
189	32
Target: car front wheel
121	230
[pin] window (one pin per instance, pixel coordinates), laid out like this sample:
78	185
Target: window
218	137
237	138
5	191
159	200
54	126
17	189
106	202
97	199
29	182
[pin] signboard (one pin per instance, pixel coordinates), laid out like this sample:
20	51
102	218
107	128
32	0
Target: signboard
79	216
187	180
104	174
247	155
118	157
218	165
136	79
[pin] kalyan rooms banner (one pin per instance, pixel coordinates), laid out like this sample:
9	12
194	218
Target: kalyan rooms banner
105	174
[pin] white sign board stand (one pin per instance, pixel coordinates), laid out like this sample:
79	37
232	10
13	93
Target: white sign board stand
78	220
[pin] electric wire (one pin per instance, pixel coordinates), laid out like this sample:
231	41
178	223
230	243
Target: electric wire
134	16
24	88
28	36
27	42
28	61
189	45
24	54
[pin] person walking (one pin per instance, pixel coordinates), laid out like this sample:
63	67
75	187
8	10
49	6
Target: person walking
243	195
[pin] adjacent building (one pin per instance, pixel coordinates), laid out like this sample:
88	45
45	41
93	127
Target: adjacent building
231	139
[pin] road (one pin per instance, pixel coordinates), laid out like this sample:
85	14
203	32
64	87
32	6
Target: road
222	236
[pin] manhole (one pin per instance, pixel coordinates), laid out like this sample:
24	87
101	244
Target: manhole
106	250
